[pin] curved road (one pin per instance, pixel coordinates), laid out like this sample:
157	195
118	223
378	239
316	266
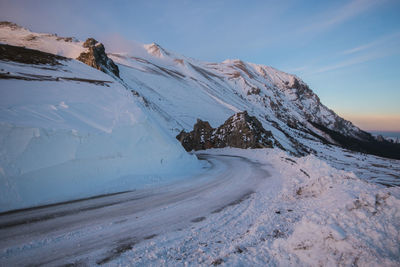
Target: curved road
98	230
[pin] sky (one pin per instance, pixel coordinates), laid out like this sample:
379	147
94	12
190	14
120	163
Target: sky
348	52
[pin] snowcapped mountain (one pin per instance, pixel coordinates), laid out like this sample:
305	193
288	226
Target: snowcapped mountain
179	90
134	109
184	90
94	136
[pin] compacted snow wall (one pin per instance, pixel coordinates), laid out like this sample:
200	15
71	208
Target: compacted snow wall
69	139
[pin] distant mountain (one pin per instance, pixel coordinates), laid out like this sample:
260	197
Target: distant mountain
179	90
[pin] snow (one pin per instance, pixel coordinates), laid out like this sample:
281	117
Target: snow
63	139
182	90
189	90
336	219
246	208
66	139
45	42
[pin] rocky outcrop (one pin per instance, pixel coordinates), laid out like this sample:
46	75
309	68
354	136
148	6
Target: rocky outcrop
29	56
96	57
241	131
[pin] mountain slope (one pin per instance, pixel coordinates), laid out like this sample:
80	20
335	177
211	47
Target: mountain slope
185	89
179	90
69	131
175	91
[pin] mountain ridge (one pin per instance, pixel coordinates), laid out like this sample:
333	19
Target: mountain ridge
181	90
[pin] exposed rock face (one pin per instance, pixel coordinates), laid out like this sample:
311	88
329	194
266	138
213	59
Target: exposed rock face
28	56
97	58
241	131
200	138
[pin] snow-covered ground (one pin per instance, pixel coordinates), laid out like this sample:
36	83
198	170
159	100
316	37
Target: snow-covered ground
306	214
70	131
248	207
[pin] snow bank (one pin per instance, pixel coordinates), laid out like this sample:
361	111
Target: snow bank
307	214
69	139
345	220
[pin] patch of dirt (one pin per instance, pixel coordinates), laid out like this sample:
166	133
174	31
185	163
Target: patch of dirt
198	219
28	56
306	174
240	65
206	74
178	60
96	82
9	24
36	77
289	159
218	261
30	37
66	39
378	165
277	234
235	202
116	252
149	237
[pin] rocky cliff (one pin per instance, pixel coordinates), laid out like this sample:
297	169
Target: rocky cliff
241	130
96	57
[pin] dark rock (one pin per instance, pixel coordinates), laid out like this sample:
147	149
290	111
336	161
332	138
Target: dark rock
254	91
198	139
67	39
241	131
90	42
370	145
218	261
302	89
29	56
380	138
97	58
277	234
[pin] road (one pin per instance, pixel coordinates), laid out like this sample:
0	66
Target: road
98	230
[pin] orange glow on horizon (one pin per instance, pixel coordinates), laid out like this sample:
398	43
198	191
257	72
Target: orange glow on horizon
390	123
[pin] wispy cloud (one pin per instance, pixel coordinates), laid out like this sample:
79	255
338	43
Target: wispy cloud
355	60
385	46
348	63
337	16
387	38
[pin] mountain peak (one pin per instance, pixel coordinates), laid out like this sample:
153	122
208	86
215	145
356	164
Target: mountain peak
156	50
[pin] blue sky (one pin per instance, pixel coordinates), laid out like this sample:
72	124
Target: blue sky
347	51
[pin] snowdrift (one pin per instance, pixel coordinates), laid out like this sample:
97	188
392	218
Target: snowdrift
69	131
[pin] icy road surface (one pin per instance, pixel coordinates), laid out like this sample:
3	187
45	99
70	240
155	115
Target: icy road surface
98	230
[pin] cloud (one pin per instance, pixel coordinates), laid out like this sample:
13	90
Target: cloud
117	43
349	62
383	40
386	46
340	15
